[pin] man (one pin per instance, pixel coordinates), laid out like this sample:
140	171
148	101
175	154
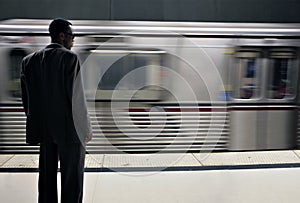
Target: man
52	93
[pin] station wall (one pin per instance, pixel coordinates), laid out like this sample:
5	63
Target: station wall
157	10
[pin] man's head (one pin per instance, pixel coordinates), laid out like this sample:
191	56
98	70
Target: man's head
61	32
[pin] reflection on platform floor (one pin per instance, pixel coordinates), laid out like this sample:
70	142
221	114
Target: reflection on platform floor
211	186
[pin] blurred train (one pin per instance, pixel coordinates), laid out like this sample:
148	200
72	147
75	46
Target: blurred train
169	86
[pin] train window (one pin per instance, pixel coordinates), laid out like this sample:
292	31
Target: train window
16	57
247	76
118	70
282	75
125	70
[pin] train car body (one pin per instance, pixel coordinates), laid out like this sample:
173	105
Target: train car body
169	86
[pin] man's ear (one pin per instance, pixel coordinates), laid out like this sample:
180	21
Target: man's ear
61	36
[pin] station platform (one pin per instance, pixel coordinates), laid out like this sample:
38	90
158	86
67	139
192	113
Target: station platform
165	162
227	177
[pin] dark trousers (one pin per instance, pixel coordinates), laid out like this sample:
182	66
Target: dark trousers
71	158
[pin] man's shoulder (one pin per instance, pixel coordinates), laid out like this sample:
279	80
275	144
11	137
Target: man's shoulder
30	57
60	51
60	48
69	53
65	53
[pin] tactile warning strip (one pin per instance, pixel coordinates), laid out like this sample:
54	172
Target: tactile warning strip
166	160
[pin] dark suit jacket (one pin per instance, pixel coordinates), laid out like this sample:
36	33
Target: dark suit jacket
52	93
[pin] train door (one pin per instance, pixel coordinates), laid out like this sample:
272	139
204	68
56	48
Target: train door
246	73
281	92
263	108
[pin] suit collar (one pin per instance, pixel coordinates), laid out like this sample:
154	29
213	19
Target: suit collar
54	45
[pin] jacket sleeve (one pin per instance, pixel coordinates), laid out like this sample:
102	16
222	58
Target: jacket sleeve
79	107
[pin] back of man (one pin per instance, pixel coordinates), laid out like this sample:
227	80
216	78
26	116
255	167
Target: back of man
51	93
50	74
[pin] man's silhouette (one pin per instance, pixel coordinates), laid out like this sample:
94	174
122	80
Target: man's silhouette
50	79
